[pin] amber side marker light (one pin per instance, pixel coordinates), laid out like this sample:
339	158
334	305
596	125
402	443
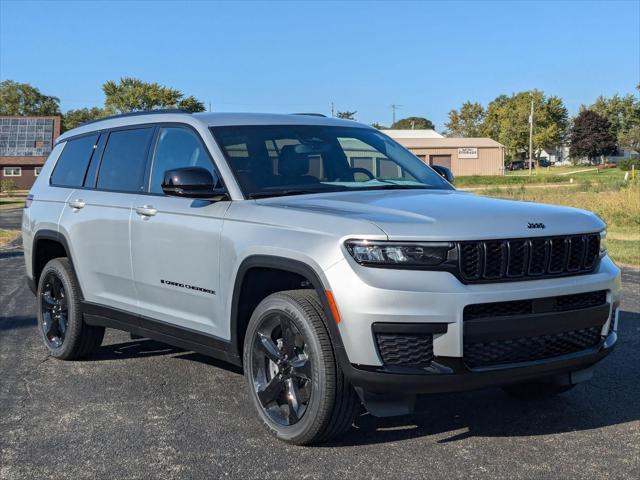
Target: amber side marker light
333	306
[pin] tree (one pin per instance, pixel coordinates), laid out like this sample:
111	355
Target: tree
630	139
413	123
623	113
23	99
591	136
191	104
467	122
131	94
507	121
378	126
347	115
73	118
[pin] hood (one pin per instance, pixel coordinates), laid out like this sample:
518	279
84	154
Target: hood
445	214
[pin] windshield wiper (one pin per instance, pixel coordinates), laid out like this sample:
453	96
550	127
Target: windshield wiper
396	186
283	193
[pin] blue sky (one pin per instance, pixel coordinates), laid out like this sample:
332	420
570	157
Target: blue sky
428	57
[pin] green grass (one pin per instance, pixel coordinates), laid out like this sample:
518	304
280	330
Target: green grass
15	201
617	203
552	175
8	235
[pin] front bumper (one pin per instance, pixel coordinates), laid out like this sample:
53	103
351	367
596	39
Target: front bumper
449	374
366	296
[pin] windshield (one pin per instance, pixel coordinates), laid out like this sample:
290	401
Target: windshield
274	160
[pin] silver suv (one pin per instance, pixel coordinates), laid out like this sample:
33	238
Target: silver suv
332	264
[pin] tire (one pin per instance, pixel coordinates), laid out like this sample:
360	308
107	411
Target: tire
324	405
535	390
60	322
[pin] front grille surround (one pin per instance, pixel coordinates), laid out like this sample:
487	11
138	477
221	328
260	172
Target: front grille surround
519	259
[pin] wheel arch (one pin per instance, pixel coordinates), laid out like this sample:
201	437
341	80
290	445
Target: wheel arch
238	323
47	245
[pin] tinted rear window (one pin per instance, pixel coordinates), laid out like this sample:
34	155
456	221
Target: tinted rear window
73	161
124	160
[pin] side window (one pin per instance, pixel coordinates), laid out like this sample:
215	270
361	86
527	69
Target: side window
72	164
124	160
178	148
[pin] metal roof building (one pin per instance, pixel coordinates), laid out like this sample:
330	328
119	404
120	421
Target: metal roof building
463	156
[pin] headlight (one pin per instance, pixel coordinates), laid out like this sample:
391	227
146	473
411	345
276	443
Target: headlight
603	243
409	254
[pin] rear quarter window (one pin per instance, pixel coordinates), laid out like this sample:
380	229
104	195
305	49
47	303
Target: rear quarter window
72	164
124	160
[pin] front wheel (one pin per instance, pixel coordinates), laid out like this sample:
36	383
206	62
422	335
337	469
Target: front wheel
294	380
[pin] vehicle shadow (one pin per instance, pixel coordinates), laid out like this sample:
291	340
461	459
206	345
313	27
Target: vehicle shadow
17	322
11	254
144	347
610	398
137	348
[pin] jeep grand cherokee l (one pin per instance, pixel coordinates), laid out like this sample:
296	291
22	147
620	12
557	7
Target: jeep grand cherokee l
320	255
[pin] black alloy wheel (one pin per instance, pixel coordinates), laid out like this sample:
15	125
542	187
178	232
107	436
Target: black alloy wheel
54	310
281	369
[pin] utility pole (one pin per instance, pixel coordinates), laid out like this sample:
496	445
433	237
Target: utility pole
531	139
209	106
332	112
394	107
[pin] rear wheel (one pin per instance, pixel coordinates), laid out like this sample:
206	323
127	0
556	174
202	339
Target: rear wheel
65	334
532	390
295	383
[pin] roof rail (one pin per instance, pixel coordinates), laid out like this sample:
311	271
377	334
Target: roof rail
311	114
135	114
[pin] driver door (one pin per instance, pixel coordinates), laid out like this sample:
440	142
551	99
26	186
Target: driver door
175	241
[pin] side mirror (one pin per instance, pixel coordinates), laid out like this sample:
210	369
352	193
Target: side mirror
191	182
444	172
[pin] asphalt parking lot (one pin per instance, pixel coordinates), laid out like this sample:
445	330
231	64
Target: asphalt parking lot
141	409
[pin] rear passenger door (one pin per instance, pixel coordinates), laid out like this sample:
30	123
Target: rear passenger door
175	242
97	216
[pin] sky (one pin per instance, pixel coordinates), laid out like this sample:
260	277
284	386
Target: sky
428	57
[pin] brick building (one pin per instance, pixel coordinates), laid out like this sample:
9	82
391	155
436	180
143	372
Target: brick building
25	143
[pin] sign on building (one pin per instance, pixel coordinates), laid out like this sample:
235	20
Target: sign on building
468	152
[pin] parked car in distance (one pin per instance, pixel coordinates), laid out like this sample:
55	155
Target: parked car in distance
261	240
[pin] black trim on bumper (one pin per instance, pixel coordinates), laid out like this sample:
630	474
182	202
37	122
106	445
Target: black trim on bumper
513	326
449	374
409	328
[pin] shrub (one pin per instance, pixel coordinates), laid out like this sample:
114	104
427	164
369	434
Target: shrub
627	163
7	186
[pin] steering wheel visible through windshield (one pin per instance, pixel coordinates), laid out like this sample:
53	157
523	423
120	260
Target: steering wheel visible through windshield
274	160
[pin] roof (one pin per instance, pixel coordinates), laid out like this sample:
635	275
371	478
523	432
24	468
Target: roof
425	133
208	119
221	119
449	142
22	161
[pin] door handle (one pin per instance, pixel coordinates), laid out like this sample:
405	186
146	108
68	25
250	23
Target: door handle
77	203
146	211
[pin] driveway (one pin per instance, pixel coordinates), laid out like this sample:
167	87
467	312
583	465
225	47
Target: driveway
141	409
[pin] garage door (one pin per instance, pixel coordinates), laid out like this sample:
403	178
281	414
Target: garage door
443	160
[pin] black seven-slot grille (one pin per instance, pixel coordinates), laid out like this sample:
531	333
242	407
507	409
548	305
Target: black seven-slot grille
503	333
525	258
